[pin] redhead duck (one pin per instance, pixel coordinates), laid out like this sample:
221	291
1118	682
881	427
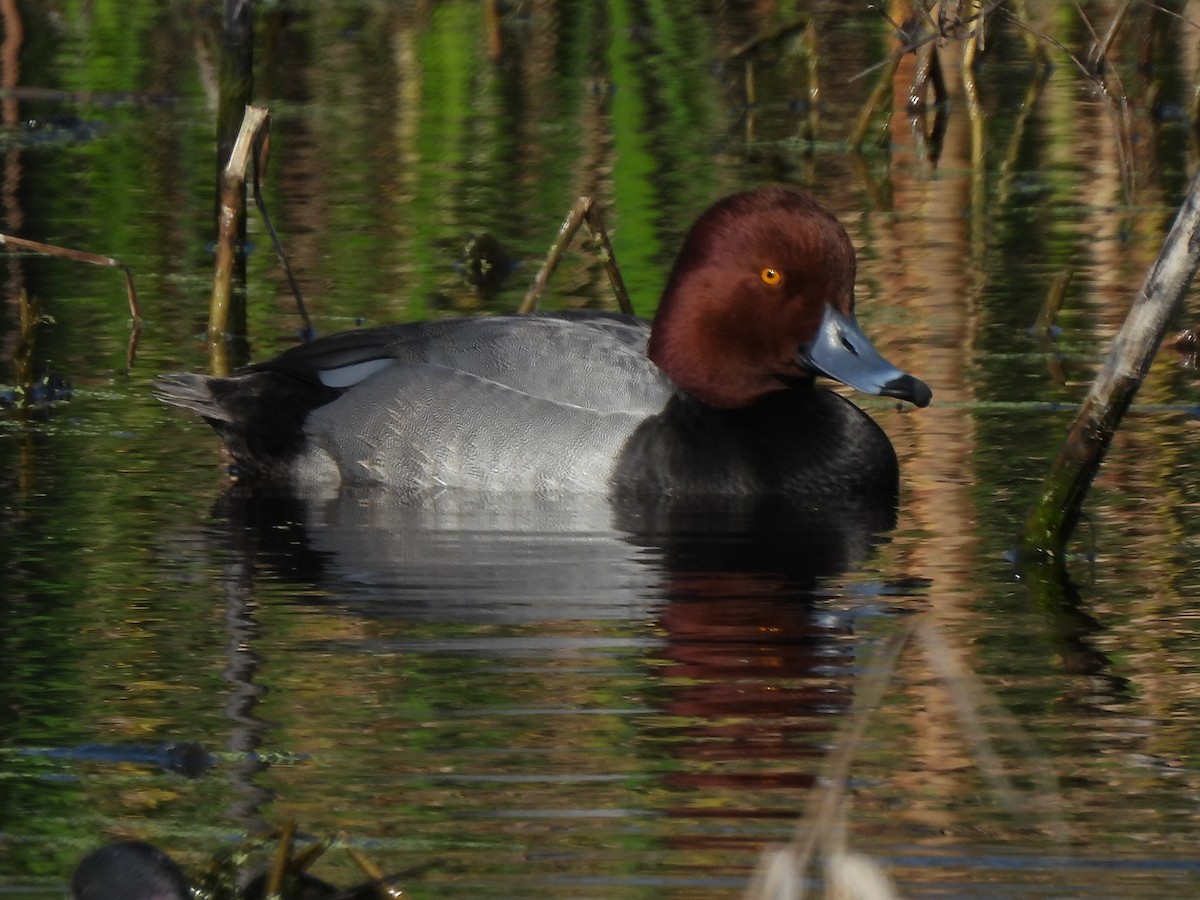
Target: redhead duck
716	396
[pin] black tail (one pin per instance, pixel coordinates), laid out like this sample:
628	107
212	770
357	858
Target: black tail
191	392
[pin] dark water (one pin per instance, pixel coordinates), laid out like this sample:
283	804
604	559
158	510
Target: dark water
566	699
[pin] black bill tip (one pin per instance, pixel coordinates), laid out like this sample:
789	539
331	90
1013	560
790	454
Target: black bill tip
905	387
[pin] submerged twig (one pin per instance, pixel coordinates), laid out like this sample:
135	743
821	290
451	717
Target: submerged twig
92	259
1043	326
582	212
1051	306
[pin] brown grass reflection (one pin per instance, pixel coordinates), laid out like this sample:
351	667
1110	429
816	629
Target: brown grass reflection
926	247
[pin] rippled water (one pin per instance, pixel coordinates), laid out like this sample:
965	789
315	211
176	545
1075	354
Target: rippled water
508	697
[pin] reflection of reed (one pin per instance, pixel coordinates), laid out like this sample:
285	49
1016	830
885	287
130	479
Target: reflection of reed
20	310
246	731
1144	463
938	288
14	214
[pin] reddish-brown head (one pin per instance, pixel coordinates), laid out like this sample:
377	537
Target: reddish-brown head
749	288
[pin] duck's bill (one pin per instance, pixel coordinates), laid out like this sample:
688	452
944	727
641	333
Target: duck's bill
842	352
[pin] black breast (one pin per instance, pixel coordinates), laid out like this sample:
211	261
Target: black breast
807	443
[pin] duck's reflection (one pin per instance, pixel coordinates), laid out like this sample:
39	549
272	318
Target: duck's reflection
514	557
750	662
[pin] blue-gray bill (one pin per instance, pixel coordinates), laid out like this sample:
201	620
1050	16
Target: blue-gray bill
842	352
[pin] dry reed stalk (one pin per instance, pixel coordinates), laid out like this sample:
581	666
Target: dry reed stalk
583	212
92	259
232	193
1060	505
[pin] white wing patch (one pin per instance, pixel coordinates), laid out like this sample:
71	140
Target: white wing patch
348	376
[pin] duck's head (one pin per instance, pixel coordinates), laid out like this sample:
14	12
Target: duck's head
761	298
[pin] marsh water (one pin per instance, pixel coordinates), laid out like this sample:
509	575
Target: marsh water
513	697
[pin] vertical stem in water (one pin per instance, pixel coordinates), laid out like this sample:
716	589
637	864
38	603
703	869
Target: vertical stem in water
222	322
236	86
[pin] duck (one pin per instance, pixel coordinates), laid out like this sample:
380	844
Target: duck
136	870
128	870
717	395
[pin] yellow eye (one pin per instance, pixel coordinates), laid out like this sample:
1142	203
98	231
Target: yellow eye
771	276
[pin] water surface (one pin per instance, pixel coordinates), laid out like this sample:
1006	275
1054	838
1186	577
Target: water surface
522	697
